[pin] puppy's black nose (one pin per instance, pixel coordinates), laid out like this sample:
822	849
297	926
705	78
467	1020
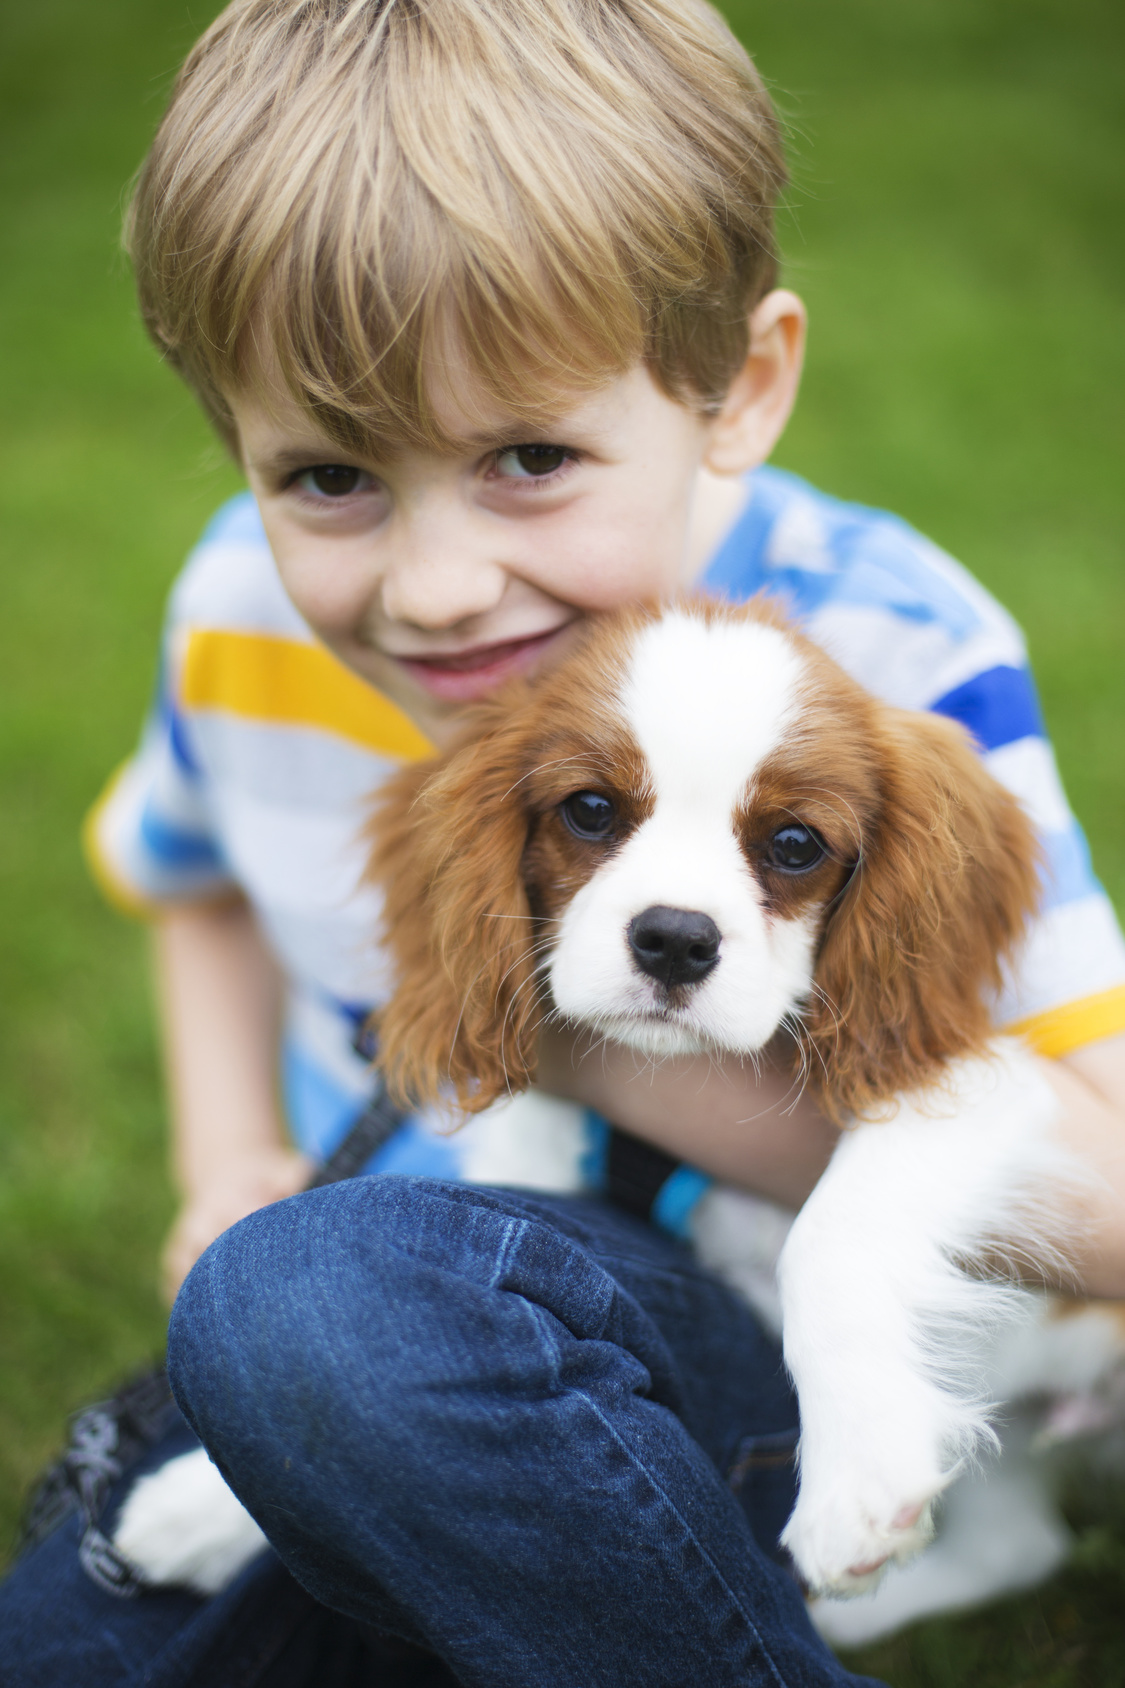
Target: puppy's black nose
678	946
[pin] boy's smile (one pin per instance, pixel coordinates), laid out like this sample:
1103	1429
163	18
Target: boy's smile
435	575
474	672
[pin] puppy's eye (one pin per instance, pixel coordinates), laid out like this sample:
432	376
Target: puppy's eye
795	848
587	813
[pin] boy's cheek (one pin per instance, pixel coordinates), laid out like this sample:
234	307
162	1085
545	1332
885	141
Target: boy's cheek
329	584
603	566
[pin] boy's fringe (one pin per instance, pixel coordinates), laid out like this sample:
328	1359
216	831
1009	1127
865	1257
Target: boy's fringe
346	194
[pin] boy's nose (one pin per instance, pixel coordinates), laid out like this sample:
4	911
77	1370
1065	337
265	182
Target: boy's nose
441	584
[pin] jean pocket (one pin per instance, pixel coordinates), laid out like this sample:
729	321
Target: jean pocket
763	1477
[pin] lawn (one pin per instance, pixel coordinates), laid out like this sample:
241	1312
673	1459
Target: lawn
956	223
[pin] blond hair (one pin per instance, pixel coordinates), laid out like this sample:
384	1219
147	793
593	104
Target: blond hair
564	186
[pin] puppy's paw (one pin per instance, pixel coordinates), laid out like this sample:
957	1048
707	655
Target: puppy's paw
843	1536
182	1527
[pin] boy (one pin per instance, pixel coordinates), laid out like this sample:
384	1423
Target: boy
482	296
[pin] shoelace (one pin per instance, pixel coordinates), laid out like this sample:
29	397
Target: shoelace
105	1441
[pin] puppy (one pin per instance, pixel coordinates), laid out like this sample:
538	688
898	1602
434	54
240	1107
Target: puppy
697	834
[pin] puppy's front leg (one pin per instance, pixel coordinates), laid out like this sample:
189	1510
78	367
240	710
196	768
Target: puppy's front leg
884	1331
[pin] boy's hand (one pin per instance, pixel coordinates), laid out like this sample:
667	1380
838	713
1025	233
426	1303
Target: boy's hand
253	1180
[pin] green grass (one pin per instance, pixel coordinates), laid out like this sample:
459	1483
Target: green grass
957	226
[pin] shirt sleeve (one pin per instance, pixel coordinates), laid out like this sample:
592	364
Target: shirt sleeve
1068	988
149	839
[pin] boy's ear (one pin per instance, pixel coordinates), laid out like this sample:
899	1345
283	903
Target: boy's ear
448	841
764	391
913	954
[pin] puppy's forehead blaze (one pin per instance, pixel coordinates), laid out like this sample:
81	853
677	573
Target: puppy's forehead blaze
708	700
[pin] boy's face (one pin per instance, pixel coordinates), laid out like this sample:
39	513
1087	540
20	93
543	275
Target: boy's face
436	575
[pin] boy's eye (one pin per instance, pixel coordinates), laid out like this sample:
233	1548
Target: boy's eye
333	480
534	460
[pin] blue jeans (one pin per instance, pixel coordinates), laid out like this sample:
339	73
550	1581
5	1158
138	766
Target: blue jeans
496	1439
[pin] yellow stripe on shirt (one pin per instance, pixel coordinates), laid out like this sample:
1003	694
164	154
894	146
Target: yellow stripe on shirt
268	678
1074	1024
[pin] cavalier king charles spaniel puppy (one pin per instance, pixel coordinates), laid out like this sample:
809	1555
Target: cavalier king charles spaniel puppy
697	835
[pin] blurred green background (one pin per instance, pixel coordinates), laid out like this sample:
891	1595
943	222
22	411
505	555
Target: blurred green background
957	225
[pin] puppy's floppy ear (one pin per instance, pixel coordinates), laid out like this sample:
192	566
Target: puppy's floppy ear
448	841
914	950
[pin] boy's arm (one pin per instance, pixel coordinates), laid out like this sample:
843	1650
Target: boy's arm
751	1131
760	1132
1090	1083
219	1010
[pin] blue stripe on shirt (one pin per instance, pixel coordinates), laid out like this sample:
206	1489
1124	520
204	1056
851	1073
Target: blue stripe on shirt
812	550
320	1112
998	707
175	728
1068	873
173	847
418	1154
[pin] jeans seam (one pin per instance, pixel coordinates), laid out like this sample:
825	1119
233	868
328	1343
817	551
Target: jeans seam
707	1559
513	1227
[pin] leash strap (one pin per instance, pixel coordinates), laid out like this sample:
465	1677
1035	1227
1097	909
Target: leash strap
652	1185
375	1126
106	1440
636	1172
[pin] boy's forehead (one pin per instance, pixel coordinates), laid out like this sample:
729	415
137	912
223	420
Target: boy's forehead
468	413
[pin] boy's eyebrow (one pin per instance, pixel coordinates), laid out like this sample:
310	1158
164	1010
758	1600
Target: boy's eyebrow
518	433
290	457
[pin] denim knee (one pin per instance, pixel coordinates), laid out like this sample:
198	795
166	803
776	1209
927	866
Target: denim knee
383	1311
284	1308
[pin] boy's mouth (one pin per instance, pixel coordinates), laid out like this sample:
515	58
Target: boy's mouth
471	674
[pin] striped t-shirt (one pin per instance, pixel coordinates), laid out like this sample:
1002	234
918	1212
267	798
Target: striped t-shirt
258	760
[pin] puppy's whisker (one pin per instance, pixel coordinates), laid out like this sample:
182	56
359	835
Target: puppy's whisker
804	1069
837	1023
809	1046
541	920
541	768
508	1014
